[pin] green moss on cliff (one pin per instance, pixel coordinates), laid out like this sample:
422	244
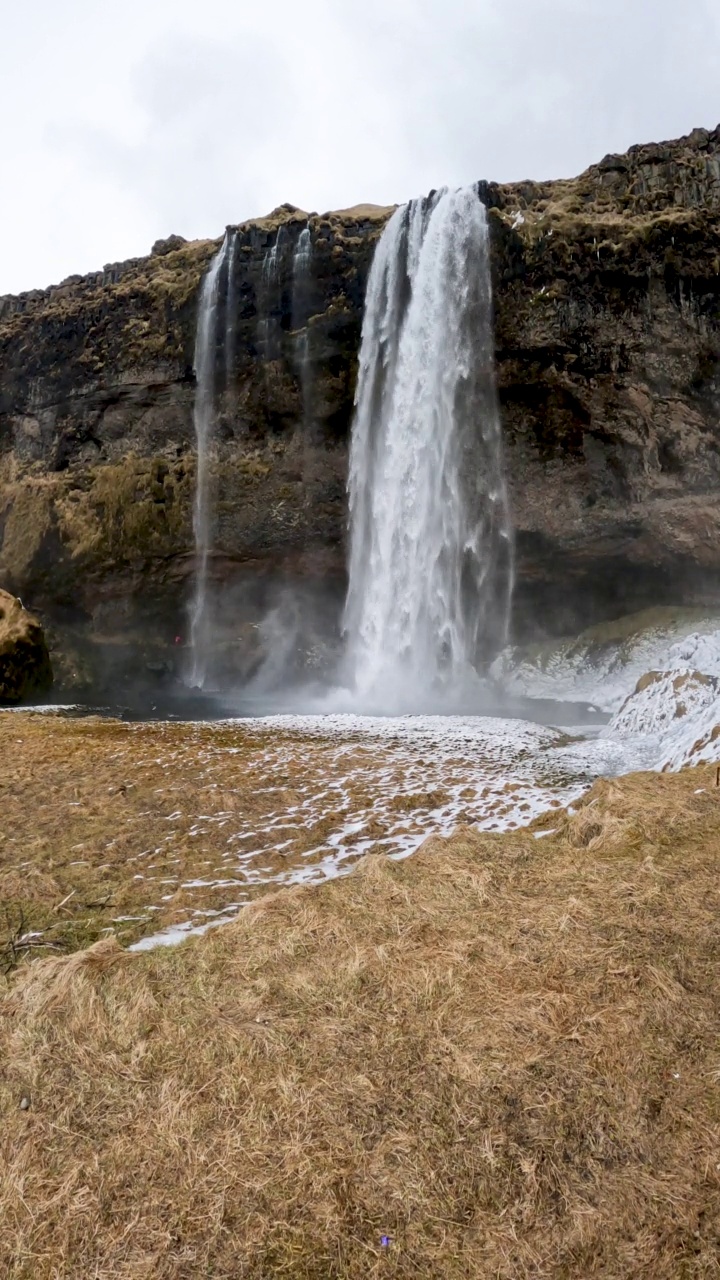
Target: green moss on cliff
134	509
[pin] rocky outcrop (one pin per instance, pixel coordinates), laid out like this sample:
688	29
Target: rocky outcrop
607	292
609	368
25	670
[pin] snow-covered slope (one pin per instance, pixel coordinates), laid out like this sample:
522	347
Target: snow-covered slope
603	665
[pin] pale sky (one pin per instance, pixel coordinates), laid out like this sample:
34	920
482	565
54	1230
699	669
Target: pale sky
121	122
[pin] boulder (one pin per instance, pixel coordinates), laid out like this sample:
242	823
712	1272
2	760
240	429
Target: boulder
168	245
663	698
25	669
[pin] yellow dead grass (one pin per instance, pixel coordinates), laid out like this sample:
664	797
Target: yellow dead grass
102	820
137	827
502	1053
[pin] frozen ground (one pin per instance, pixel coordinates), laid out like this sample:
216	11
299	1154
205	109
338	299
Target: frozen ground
380	785
390	783
225	809
603	665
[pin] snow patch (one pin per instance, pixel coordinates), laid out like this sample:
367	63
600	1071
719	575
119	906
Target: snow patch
604	672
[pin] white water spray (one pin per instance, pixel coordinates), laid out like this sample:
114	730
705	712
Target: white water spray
204	416
430	533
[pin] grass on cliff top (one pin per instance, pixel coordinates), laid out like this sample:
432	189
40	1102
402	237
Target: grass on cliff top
501	1054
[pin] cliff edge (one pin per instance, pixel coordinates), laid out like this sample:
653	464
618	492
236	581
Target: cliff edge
607	297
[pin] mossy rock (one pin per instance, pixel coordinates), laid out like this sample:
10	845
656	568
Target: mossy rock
25	669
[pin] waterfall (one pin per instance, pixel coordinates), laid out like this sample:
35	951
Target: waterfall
270	260
303	254
269	302
230	312
302	265
206	342
430	569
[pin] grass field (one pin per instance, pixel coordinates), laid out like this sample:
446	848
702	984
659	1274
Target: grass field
139	828
499	1058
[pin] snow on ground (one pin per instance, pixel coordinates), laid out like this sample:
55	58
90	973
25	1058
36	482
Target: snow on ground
424	775
672	717
664	702
381	785
602	666
361	783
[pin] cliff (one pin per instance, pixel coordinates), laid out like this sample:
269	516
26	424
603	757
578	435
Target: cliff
607	294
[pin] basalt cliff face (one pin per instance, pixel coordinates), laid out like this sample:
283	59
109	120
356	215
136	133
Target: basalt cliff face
607	299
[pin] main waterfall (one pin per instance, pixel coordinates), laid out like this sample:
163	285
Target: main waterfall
431	559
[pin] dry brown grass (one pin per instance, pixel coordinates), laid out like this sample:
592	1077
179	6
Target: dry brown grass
136	827
103	820
502	1053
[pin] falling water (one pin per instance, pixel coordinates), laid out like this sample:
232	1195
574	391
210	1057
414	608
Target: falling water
303	253
269	302
302	264
270	260
206	339
230	311
430	573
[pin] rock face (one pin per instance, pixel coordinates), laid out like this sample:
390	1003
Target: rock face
607	293
25	670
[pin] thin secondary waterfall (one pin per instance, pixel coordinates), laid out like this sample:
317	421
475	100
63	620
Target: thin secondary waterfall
302	267
270	262
303	253
230	310
269	303
430	570
206	343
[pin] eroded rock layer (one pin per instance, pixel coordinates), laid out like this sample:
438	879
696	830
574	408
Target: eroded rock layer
607	292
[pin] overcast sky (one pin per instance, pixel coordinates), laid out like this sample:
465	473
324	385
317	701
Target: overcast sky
125	120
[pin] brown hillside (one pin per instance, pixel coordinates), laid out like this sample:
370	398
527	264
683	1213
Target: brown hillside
502	1054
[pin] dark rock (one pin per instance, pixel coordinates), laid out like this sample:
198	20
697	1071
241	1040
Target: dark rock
619	164
699	138
161	247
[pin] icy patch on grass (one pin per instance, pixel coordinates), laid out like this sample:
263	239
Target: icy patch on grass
335	787
338	787
176	933
44	709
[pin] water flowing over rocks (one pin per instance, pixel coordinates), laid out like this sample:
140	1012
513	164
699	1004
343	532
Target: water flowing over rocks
607	349
205	397
430	566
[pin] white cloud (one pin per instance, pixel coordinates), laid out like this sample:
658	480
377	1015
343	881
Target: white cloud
124	123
